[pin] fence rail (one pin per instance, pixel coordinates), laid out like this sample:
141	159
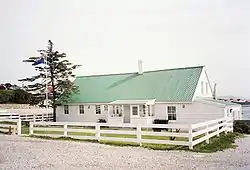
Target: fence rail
27	116
10	126
176	134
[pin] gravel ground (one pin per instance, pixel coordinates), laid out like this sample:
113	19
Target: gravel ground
20	153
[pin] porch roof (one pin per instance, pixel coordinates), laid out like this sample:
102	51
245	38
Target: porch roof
123	102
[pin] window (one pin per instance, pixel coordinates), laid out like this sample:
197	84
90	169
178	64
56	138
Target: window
171	112
202	87
106	108
117	111
66	109
135	110
81	109
97	109
171	109
207	88
171	116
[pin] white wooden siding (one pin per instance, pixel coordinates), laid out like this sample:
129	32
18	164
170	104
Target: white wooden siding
191	113
74	114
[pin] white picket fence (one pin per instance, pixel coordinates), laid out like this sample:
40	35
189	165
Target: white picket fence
10	125
185	134
34	117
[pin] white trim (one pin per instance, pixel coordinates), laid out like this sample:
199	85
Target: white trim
110	103
133	102
138	109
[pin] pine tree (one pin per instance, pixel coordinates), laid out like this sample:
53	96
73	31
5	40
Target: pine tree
59	71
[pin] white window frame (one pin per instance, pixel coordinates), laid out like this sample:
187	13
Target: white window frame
137	111
98	109
172	112
66	109
81	108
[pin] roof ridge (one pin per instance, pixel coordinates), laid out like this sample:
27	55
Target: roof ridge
168	69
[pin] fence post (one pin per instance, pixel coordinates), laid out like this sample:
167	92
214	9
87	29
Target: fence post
65	130
97	132
207	133
138	133
190	137
34	117
218	128
31	128
226	128
19	127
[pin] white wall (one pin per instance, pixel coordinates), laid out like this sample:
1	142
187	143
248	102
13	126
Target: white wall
236	112
207	89
194	112
74	114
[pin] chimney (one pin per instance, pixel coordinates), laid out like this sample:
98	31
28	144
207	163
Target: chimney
140	69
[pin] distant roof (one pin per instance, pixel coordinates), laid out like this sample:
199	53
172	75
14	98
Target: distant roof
169	85
219	102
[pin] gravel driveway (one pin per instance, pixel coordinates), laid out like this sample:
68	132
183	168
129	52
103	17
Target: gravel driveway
20	153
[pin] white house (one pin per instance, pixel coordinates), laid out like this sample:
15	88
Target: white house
178	95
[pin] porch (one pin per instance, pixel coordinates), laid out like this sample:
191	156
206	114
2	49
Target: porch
131	112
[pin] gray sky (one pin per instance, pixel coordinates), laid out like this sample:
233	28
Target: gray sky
110	36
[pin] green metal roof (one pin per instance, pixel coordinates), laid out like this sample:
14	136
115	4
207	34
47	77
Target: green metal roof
170	85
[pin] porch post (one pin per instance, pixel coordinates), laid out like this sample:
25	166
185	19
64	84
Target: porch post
151	109
147	108
122	111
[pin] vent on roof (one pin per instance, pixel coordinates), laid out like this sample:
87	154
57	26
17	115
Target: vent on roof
140	69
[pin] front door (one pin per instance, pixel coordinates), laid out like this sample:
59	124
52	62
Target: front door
126	114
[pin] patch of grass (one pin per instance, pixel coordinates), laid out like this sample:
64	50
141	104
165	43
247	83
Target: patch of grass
116	143
25	130
163	147
81	133
7	122
62	138
224	141
49	132
118	135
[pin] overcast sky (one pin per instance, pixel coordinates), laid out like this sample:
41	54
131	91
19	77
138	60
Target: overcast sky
109	36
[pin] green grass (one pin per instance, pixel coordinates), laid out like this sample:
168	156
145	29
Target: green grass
224	141
9	123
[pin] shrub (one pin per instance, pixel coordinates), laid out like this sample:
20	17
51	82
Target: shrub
242	126
102	121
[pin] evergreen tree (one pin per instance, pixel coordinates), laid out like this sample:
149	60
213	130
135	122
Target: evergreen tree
59	71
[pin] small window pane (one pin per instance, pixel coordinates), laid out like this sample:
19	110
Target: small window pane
81	109
171	112
66	109
134	110
171	116
98	109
